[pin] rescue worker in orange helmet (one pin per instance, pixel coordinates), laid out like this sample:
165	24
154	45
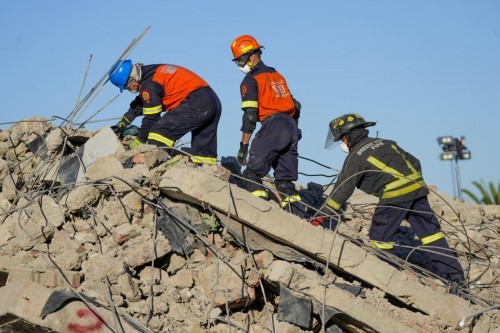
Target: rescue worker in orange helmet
189	103
382	168
266	98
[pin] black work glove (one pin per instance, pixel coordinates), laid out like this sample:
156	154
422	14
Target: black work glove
299	133
242	153
119	128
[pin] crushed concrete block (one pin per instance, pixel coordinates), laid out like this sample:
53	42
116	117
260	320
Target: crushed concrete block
104	168
100	266
176	263
80	197
102	144
51	279
182	279
82	226
263	259
4	147
470	214
24	300
133	202
472	239
32	231
128	287
124	232
4	168
492	211
62	242
45	208
310	284
69	260
152	275
10	187
5	235
224	286
54	142
143	253
151	158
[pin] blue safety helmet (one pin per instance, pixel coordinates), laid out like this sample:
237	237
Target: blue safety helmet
118	75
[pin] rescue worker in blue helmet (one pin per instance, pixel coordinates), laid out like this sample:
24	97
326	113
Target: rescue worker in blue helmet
266	98
382	168
189	105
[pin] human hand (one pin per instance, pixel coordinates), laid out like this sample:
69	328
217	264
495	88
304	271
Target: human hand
242	153
119	128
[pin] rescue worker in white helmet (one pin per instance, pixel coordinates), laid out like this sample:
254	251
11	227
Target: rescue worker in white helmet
266	98
382	168
189	103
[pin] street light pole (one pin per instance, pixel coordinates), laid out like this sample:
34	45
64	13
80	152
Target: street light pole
454	149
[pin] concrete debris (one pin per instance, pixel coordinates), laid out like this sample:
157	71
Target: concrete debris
97	238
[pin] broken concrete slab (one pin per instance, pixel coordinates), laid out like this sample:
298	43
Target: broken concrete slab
24	300
310	284
102	144
197	186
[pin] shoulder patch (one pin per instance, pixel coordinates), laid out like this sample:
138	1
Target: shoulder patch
243	90
146	96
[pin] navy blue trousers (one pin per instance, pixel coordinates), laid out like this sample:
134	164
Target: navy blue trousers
419	214
200	115
275	147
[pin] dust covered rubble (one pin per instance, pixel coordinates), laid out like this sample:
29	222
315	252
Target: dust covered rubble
171	266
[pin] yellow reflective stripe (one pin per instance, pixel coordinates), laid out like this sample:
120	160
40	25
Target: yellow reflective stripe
407	163
125	120
383	167
249	104
260	193
405	190
160	138
246	48
334	204
202	159
401	182
432	238
153	109
287	200
382	245
135	143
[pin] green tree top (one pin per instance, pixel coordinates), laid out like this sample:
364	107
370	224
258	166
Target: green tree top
491	197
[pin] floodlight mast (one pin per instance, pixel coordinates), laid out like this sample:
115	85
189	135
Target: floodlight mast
454	149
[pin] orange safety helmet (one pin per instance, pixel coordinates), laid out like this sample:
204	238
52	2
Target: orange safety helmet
243	45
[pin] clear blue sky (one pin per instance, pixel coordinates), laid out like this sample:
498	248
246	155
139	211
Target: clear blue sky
421	69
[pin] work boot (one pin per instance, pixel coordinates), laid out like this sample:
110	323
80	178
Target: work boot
458	286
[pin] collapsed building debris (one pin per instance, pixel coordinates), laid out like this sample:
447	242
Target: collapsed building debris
96	238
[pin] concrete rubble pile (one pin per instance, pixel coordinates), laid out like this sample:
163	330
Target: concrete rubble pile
97	238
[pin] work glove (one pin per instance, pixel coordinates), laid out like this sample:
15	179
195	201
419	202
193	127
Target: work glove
135	143
299	133
119	128
242	153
